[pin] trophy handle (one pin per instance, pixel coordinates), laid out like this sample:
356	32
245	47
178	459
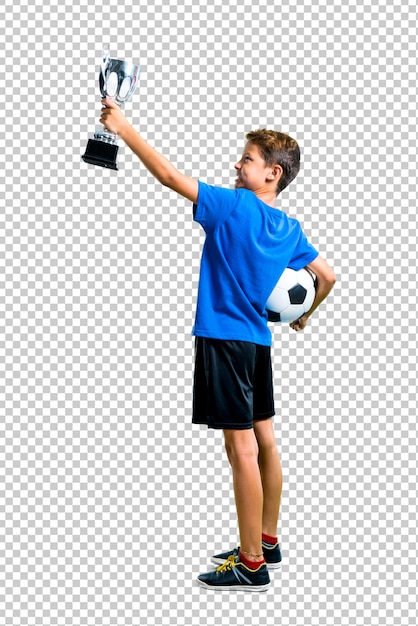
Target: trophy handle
105	60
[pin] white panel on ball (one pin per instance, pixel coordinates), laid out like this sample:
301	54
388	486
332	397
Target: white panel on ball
292	296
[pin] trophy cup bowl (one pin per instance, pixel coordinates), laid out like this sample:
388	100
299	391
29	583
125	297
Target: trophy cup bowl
118	81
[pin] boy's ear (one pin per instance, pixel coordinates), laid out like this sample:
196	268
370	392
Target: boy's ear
276	173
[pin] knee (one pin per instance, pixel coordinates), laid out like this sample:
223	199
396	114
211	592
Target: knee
265	439
238	454
268	452
267	447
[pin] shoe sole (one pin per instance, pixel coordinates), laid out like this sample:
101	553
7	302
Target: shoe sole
270	566
234	587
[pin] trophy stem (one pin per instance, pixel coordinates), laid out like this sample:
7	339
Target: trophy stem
106	136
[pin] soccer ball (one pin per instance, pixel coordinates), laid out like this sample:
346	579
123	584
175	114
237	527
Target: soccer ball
292	296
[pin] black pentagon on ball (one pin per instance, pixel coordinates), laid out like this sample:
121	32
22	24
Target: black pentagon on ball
273	316
297	294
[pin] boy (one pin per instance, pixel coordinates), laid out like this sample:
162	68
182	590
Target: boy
249	242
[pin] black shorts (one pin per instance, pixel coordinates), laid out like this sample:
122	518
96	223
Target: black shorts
233	384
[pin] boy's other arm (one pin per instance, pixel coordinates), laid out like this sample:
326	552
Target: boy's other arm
325	282
160	167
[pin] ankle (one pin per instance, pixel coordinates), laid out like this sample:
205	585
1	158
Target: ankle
253	561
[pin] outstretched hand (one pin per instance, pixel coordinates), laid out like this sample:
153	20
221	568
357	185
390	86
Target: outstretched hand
112	117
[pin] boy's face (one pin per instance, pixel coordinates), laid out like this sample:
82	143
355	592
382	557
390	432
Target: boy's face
252	171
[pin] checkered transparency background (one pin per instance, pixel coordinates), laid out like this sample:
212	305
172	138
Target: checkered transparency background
111	502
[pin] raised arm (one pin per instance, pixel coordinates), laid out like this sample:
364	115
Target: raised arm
160	167
325	282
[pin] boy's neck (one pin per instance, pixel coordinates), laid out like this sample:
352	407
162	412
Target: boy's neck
267	197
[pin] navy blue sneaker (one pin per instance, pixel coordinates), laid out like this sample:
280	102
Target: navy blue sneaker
272	556
234	575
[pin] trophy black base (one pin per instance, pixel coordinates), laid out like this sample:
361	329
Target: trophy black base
101	153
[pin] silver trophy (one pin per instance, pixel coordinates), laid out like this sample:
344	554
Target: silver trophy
118	81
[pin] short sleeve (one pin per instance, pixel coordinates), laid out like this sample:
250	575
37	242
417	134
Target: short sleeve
304	252
214	204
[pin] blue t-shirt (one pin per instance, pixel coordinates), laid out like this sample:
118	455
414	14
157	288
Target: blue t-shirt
248	245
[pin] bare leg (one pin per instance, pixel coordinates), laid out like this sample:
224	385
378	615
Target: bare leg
271	475
242	450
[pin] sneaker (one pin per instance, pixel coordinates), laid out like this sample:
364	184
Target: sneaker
234	575
272	556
